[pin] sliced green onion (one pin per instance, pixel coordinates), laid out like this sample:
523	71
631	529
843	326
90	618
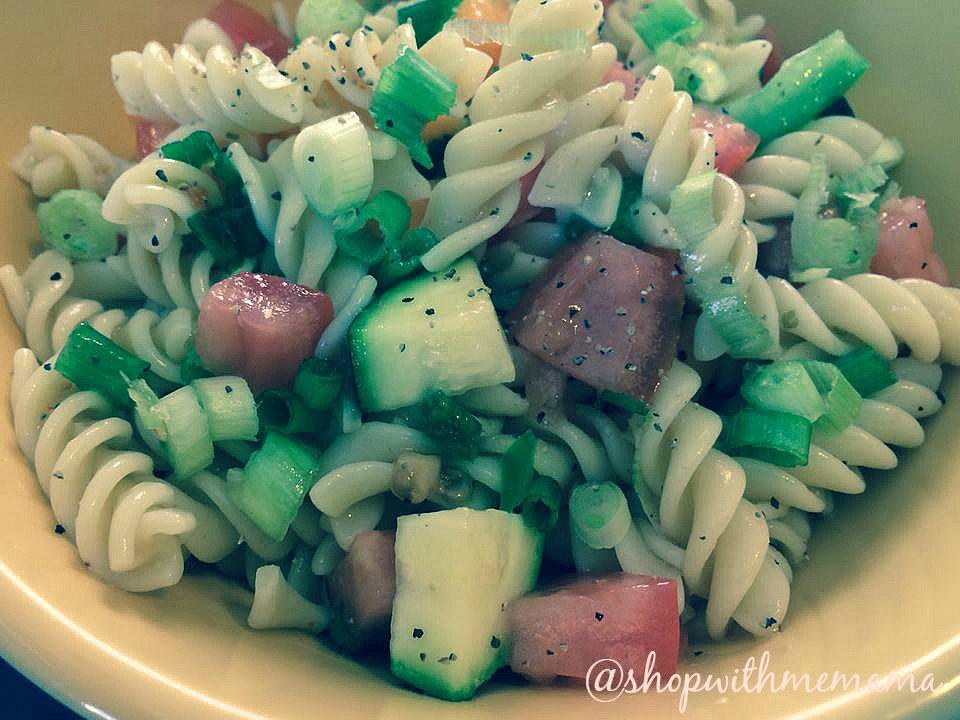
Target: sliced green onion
318	383
451	425
285	412
739	328
698	72
229	406
841	401
540	508
866	370
808	83
200	150
865	179
411	93
92	361
403	257
71	223
630	404
365	233
785	387
427	16
191	367
323	18
333	162
180	424
691	209
516	471
774	437
273	484
228	233
599	514
625	227
667	20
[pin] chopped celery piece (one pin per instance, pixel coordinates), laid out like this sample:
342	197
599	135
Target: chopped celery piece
841	401
774	437
365	233
806	84
427	16
866	370
229	407
71	223
785	387
516	471
92	361
540	508
599	514
273	484
323	18
451	425
411	92
691	208
403	257
667	20
630	404
191	367
180	424
317	383
283	411
845	246
228	233
739	328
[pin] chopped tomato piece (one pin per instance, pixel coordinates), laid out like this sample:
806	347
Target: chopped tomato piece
735	142
246	26
905	248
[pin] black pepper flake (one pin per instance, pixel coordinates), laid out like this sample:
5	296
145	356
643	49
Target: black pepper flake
726	280
923	265
658	427
342	80
449	658
638	135
526	56
774	503
66	236
59	529
407	300
430	311
423	657
403	347
277	196
56	277
769	623
560	284
452	272
528	157
162	175
914	225
602	271
573	310
697	653
494	642
578	360
677	269
95	360
598	616
389	123
312	158
228	389
586	323
417	633
541	416
332	45
48	367
58	475
154	241
550	652
631	367
703	537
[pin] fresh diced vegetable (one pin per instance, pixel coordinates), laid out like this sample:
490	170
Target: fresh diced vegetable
285	412
150	135
317	383
366	233
180	425
456	572
735	142
632	405
260	327
526	211
841	402
411	93
403	257
92	361
273	484
805	85
437	331
191	368
865	179
516	471
229	407
451	425
784	387
71	223
333	162
605	313
691	211
666	21
323	18
739	328
540	508
228	233
774	437
905	248
866	370
599	514
427	16
200	150
245	26
361	591
696	70
619	73
565	629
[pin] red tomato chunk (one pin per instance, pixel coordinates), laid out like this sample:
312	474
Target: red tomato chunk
150	135
605	313
735	142
261	327
246	26
905	248
361	590
562	631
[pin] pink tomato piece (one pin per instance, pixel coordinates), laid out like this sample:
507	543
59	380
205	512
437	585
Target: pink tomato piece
526	211
150	135
261	327
565	630
735	142
246	26
905	248
361	590
619	73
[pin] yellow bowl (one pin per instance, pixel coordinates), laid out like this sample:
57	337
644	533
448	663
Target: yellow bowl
878	595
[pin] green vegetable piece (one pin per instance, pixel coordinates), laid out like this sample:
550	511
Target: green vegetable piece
740	329
807	84
191	367
323	18
841	401
667	20
283	411
200	150
451	425
698	72
865	179
599	514
427	16
516	471
318	383
625	228
402	258
411	93
866	370
273	484
774	437
92	361
367	232
785	387
71	223
228	233
229	407
630	404
180	425
540	509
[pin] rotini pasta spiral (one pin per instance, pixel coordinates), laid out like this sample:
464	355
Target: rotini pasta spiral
128	524
42	307
54	161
